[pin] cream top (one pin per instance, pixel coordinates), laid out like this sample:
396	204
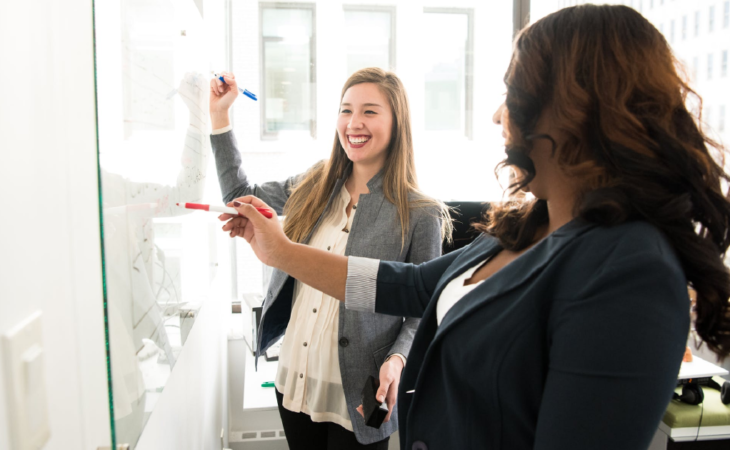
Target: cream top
309	368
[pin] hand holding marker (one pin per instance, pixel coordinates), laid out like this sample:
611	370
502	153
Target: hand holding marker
245	92
223	209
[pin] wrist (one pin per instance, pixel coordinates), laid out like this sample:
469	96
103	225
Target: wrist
220	119
283	253
396	360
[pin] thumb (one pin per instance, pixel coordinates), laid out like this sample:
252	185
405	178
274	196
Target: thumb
382	391
248	211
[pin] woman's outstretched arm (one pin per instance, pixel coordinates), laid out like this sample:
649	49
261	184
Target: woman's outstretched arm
319	269
399	289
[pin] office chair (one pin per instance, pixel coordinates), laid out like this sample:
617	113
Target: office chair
464	215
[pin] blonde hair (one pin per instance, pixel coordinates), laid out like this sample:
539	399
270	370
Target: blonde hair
310	196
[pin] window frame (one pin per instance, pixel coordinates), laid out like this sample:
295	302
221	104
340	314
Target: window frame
468	62
380	8
274	135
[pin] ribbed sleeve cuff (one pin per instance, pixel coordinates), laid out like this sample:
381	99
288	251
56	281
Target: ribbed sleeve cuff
222	130
362	275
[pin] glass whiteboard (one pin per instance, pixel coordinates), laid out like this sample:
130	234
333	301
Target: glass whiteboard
154	60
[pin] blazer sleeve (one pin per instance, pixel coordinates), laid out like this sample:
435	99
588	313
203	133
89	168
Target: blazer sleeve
394	288
233	180
615	352
425	246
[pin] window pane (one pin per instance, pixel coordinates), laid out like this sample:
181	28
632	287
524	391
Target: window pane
288	72
368	39
445	67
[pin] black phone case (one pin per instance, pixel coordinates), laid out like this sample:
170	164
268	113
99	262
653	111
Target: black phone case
373	410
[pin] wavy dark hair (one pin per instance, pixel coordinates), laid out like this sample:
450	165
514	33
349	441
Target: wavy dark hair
611	83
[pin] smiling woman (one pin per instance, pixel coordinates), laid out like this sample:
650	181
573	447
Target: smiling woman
364	201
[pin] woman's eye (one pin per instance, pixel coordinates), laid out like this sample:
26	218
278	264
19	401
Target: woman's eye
345	111
370	112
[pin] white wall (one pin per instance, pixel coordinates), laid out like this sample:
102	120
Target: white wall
49	231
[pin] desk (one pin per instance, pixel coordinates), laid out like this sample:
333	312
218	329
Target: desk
699	368
256	397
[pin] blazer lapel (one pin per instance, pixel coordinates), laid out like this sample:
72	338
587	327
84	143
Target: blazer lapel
478	250
515	274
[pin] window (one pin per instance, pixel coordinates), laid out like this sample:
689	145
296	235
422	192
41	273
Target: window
726	15
709	66
723	64
684	27
671	31
697	23
288	64
721	123
708	116
661	28
449	69
695	68
370	37
711	21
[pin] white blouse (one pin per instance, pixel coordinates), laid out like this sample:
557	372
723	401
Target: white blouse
309	367
455	291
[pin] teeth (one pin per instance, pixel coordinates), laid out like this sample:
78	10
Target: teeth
358	140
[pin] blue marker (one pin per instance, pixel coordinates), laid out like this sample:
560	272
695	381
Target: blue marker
245	92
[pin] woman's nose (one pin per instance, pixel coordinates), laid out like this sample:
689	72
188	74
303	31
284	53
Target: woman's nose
497	117
355	122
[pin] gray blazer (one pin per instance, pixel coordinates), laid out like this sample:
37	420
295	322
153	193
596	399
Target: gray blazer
366	339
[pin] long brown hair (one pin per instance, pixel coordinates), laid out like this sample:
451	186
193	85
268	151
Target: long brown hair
610	81
309	197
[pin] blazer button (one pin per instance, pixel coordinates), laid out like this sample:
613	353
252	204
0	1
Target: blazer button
419	445
344	342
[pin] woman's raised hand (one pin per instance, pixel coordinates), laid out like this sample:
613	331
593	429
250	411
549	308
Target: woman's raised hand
266	236
222	96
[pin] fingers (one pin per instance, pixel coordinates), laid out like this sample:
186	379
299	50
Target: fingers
390	398
255	201
218	86
383	389
235	222
215	87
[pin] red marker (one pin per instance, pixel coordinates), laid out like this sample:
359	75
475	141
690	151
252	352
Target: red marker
223	209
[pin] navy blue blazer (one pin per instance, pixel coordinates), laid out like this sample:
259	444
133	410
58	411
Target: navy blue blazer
576	344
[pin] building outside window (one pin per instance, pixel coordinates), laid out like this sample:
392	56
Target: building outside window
449	70
697	23
711	21
288	69
709	66
370	37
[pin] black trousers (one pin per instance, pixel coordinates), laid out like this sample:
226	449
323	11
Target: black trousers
303	434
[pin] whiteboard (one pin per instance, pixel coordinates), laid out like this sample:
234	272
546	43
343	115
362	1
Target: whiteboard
154	59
